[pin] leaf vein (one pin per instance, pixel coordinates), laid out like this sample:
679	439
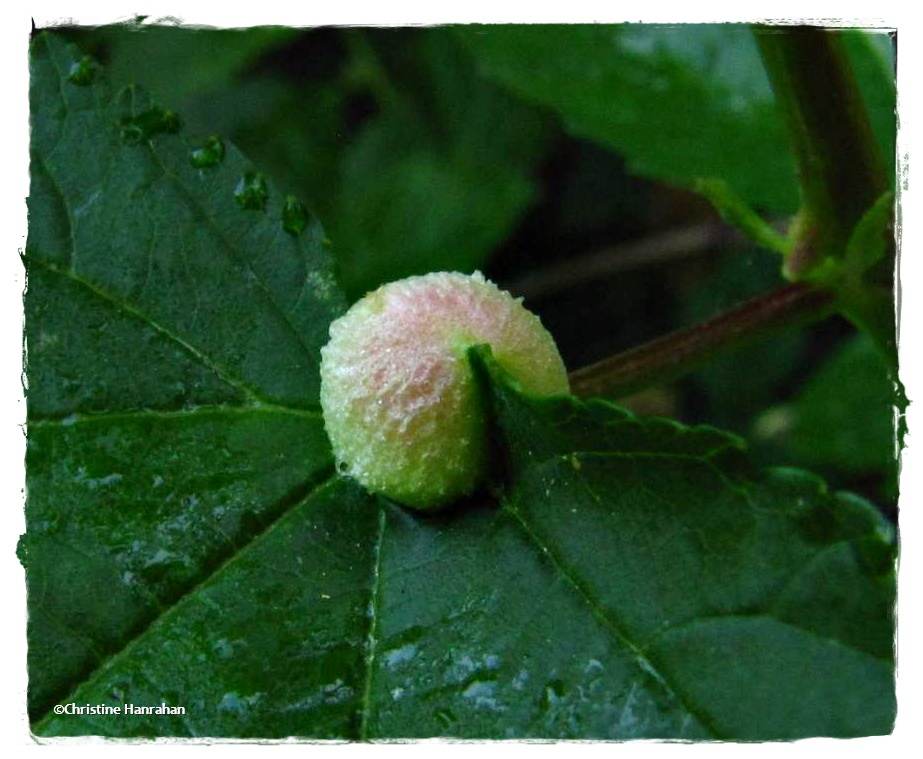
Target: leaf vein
125	308
605	619
180	413
371	641
237	257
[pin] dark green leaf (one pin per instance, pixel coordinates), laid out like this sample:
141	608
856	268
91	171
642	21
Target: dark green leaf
173	342
760	599
434	181
842	421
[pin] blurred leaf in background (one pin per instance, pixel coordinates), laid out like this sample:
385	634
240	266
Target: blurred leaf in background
180	62
625	86
841	423
442	173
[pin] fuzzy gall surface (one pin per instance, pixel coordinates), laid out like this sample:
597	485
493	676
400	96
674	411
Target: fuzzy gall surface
400	401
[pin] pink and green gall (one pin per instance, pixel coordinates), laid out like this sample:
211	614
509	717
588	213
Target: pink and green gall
401	406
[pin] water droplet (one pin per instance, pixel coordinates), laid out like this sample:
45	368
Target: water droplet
156	120
118	692
483	694
231	702
83	72
251	192
399	656
522	677
210	154
593	666
294	216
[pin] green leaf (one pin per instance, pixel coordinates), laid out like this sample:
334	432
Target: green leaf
188	544
173	344
679	102
681	596
759	598
843	419
868	242
435	177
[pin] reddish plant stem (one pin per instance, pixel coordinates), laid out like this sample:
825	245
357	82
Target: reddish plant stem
672	355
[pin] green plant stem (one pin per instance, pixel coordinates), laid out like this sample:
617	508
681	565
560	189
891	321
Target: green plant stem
841	168
673	355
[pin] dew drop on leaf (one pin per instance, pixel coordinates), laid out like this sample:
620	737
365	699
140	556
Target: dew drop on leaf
210	154
294	216
251	192
135	129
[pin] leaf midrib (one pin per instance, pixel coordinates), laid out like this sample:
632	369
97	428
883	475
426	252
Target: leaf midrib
769	610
